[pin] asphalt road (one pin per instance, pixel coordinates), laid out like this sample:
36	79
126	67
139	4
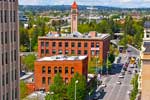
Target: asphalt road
114	91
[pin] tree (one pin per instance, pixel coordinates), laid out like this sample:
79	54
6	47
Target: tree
23	90
80	87
28	61
111	58
59	88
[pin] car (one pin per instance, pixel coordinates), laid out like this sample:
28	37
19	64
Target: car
104	85
118	82
123	73
96	96
121	76
129	72
129	92
131	66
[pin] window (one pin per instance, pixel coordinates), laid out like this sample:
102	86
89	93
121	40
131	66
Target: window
7	96
97	52
66	80
53	51
14	16
12	94
12	74
92	44
72	70
6	58
11	16
16	93
72	52
147	36
6	78
5	16
6	36
79	44
55	70
53	44
60	70
66	44
66	70
72	44
47	44
3	80
49	70
43	69
97	45
42	44
16	74
14	36
66	52
79	52
43	80
85	52
47	51
60	51
60	44
15	55
1	15
92	53
2	59
85	45
42	51
49	80
12	56
2	41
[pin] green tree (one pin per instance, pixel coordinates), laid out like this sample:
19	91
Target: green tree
134	92
59	88
23	90
28	61
80	87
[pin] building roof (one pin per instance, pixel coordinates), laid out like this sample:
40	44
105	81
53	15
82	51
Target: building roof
62	57
74	5
75	35
147	24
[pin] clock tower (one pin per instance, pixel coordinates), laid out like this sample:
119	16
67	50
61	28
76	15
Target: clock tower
74	17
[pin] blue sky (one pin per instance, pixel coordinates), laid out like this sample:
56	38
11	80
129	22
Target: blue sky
115	3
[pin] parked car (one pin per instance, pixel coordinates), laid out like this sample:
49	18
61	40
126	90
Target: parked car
121	76
118	82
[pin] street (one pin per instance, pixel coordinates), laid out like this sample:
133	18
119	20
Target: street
115	91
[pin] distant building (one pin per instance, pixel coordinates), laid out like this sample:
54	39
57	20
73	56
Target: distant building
47	67
144	78
92	44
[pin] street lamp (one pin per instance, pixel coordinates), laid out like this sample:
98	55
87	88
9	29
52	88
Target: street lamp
89	95
75	90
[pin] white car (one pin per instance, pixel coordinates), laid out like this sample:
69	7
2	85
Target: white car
118	82
121	76
104	85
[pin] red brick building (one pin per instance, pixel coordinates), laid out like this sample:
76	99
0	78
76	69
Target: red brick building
46	68
91	44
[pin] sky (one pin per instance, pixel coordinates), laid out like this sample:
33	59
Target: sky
114	3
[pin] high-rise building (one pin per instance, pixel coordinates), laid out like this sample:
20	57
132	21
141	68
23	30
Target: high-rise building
74	17
9	50
144	79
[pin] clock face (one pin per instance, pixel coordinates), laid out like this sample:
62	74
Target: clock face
74	11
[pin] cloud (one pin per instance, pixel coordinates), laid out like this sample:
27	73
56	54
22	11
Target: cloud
116	3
